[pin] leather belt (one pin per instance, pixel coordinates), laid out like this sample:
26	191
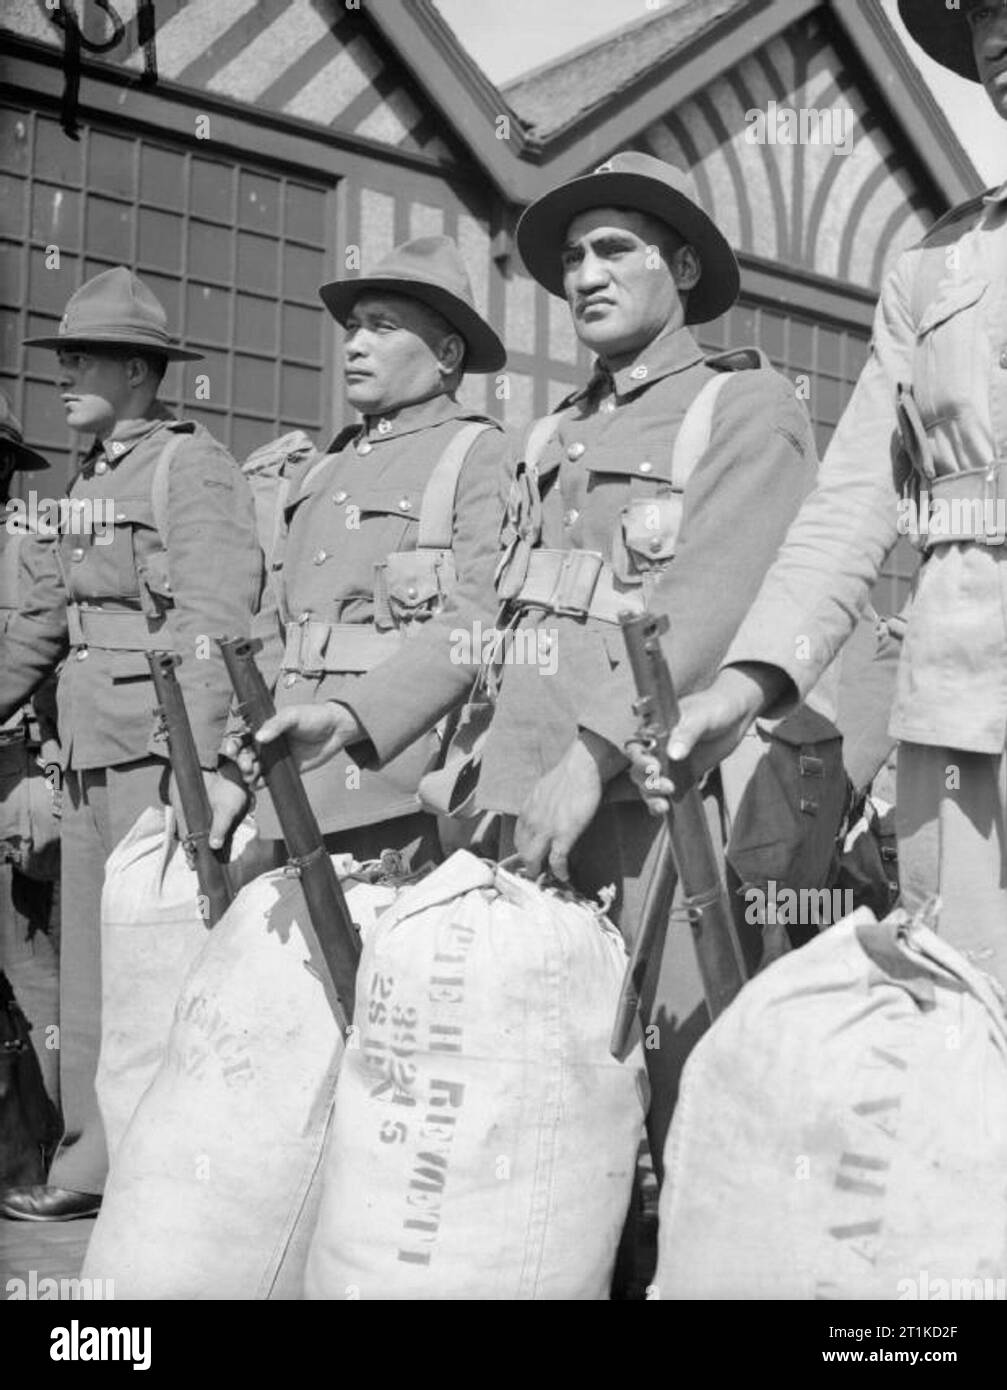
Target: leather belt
112	629
577	584
315	647
981	516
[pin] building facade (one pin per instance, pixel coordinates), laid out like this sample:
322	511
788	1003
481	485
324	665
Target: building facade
285	142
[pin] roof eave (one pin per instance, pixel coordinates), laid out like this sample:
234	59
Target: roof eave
897	76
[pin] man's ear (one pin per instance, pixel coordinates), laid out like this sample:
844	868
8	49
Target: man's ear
137	371
451	355
686	267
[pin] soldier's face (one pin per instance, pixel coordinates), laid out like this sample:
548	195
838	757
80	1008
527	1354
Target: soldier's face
95	390
390	354
989	43
618	284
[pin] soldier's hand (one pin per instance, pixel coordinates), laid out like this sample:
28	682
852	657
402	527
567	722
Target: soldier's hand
711	725
315	733
562	805
229	801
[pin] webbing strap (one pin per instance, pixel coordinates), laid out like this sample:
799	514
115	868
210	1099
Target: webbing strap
694	433
438	504
538	437
161	483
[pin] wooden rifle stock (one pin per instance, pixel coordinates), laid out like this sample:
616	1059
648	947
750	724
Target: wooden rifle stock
214	879
692	854
335	933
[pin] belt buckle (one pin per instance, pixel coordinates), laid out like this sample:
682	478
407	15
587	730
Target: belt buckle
991	494
576	583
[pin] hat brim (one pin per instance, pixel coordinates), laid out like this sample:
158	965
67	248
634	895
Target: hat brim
26	460
484	350
942	33
541	233
72	341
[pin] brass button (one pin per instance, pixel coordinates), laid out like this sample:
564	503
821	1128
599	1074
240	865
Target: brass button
120	516
646	466
608	406
320	556
384	426
655	544
81	653
101	466
1003	359
574	451
77	554
340	497
639	373
115	448
405	504
571	516
365	446
305	616
290	679
412	592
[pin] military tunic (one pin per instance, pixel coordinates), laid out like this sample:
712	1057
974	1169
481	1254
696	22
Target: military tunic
341	521
941	326
29	912
201	579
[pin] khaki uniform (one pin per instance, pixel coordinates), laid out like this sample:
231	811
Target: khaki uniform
29	909
97	598
331	591
941	327
613	447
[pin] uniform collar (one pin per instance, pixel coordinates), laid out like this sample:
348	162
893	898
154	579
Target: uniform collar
669	352
408	419
996	195
127	434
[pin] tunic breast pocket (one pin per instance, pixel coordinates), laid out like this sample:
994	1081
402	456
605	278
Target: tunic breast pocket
393	515
950	361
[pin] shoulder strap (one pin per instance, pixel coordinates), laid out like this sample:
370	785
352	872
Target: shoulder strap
694	432
438	504
538	437
159	486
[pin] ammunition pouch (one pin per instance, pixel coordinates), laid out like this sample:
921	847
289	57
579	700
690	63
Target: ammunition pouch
576	584
410	586
646	537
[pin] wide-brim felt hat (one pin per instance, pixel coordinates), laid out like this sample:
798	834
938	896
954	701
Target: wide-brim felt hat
944	34
12	440
115	309
643	184
430	269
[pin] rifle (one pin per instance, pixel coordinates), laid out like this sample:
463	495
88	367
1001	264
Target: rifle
214	878
688	852
334	930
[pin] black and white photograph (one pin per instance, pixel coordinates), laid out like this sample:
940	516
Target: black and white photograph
503	666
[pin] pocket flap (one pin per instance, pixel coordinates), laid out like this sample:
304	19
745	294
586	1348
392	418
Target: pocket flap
951	299
134	511
650	527
401	501
412	577
627	463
